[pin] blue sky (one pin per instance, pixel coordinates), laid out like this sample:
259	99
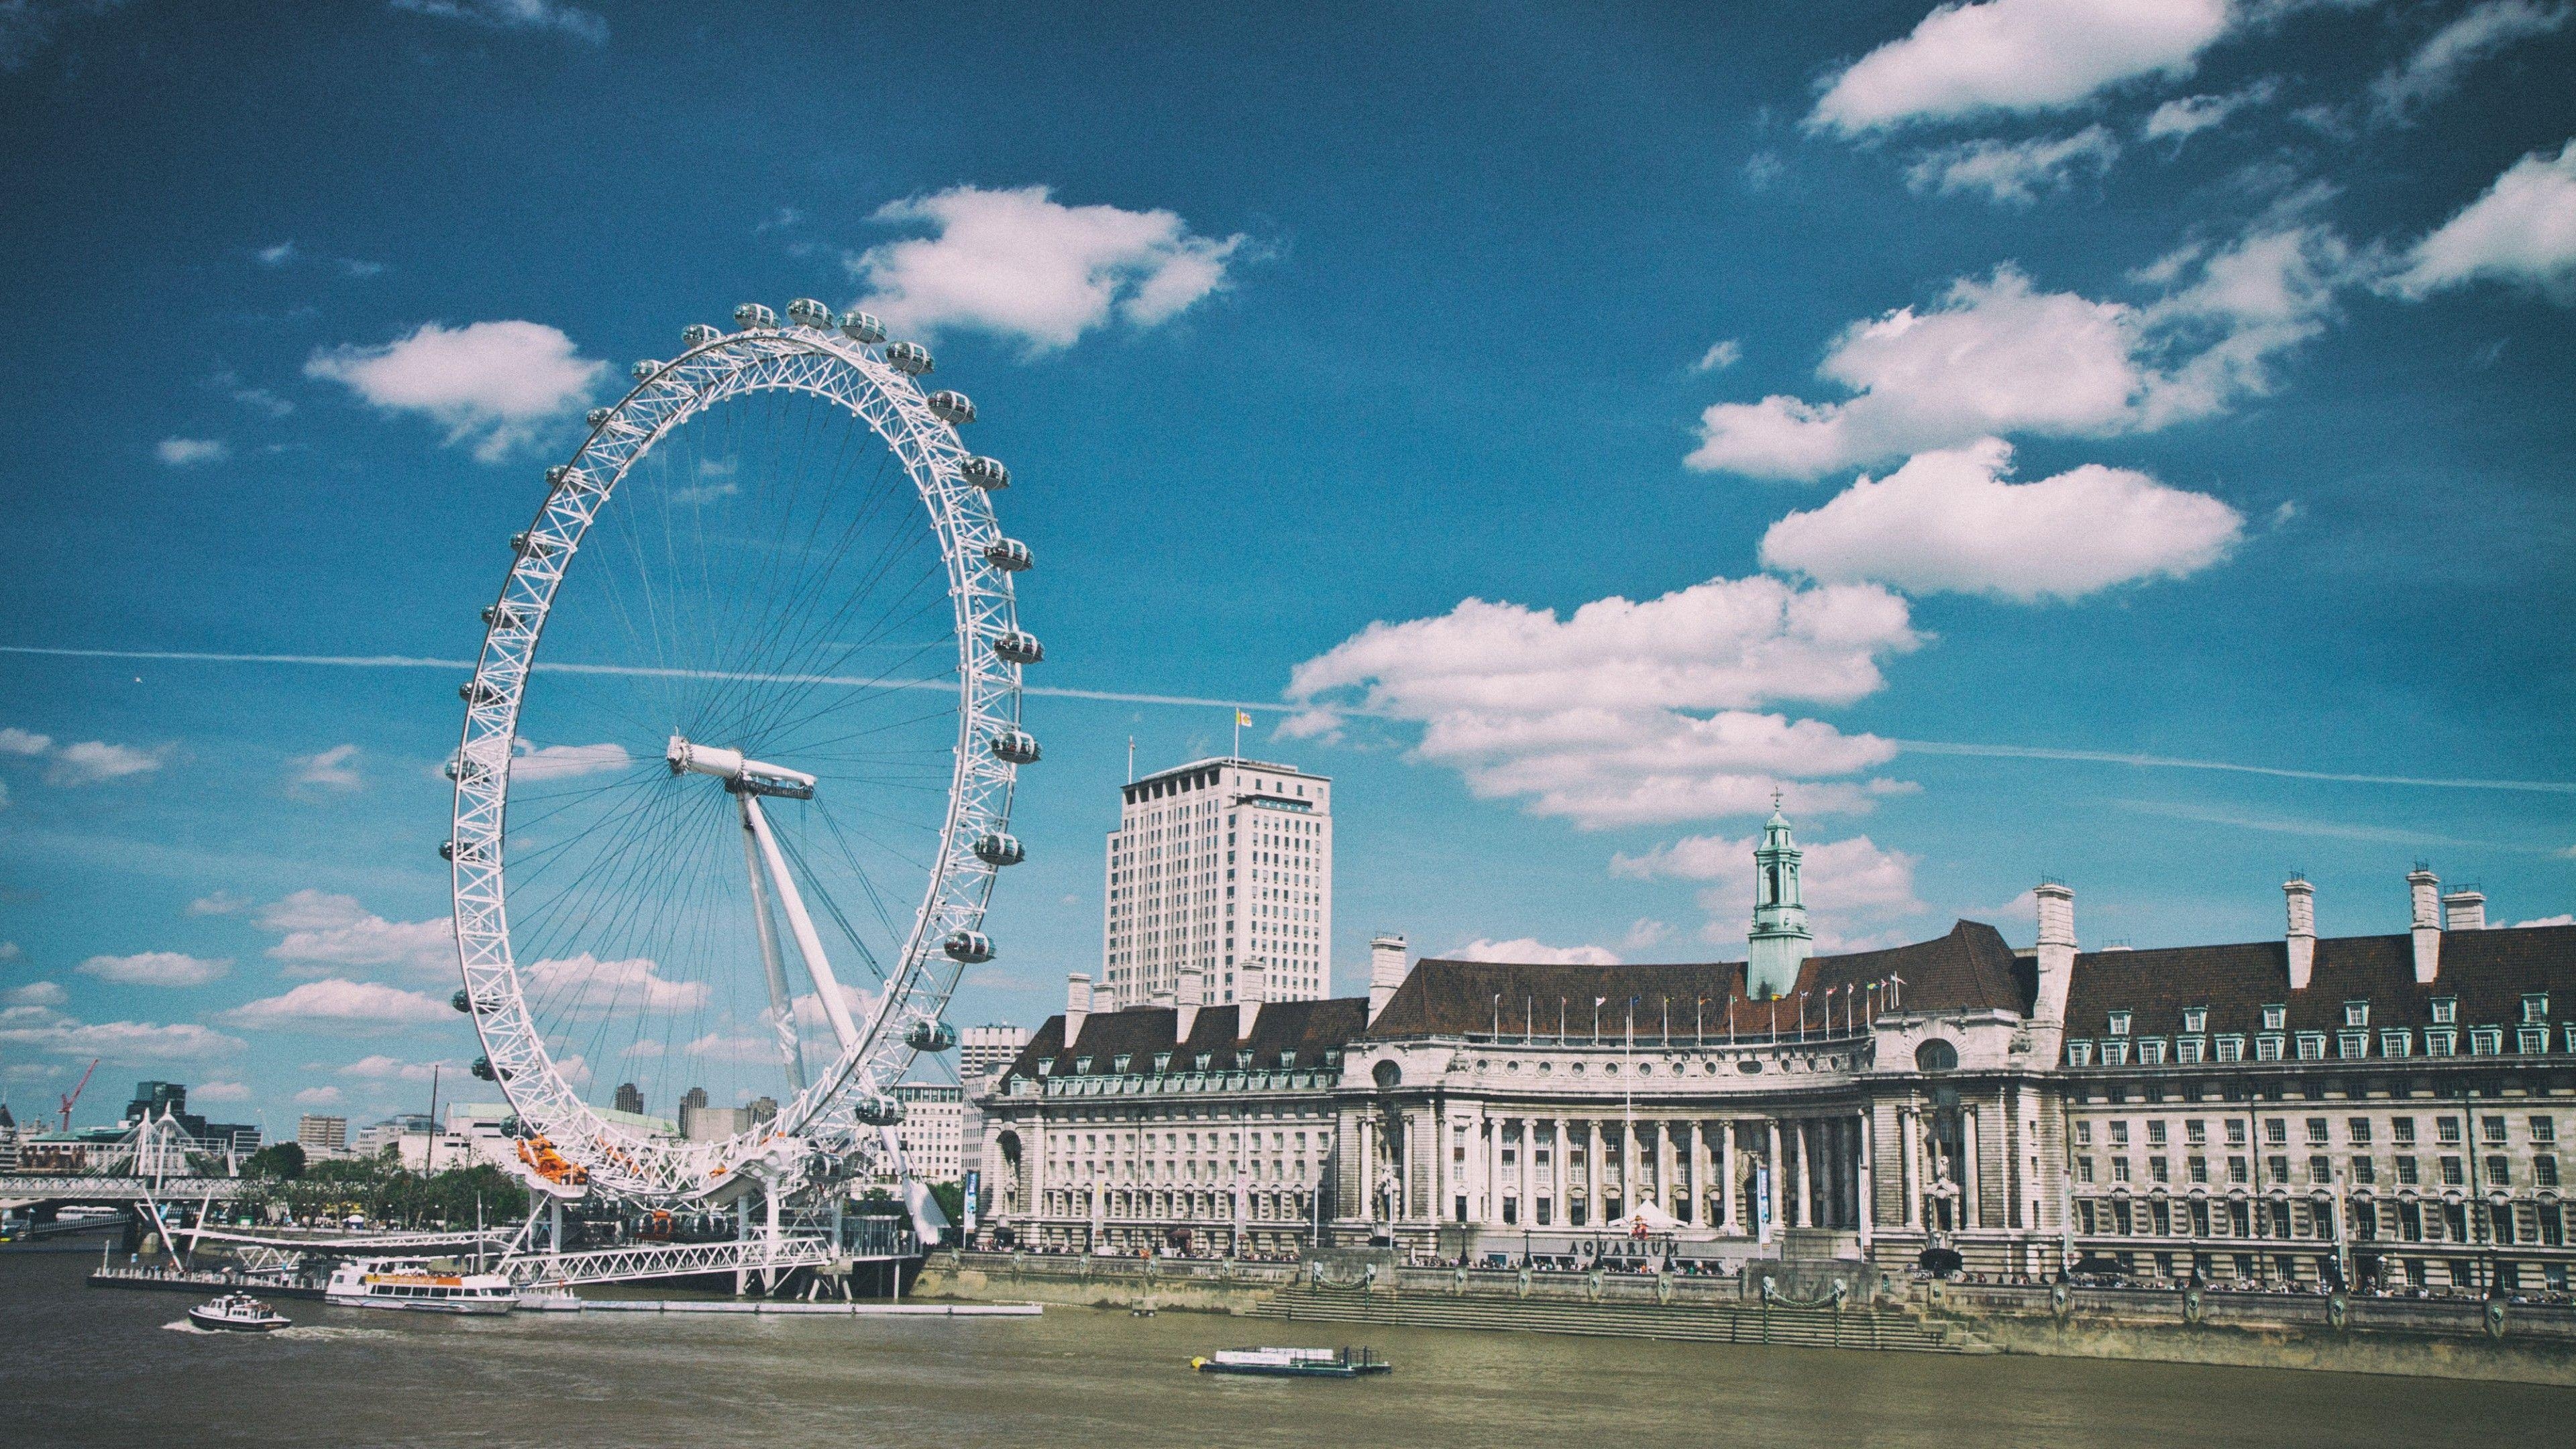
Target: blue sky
1569	424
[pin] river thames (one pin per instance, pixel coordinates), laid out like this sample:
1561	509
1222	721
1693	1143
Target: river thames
83	1366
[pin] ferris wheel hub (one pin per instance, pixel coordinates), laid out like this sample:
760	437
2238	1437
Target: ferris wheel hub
741	776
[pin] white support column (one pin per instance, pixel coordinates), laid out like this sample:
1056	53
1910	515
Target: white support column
809	942
1909	1171
1805	1145
1730	1203
1969	1150
1771	1168
1868	1197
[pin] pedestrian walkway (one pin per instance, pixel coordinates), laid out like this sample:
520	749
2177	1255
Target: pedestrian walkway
1696	1323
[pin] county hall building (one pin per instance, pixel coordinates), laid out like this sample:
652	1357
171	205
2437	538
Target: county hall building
2381	1109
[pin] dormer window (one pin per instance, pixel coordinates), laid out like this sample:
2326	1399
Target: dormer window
1120	1062
2446	1010
1203	1059
1162	1061
1082	1066
2275	1016
2535	1008
1046	1068
2119	1023
2195	1018
2356	1013
1243	1061
1287	1061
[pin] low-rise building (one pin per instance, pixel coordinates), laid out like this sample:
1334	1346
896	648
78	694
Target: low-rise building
2381	1109
322	1136
933	1121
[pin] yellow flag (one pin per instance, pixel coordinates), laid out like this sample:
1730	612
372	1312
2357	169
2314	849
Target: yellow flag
1243	717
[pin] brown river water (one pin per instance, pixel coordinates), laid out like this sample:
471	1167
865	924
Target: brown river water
84	1366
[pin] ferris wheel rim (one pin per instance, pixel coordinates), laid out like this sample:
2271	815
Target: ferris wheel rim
827	1116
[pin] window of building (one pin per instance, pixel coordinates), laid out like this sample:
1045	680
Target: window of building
2119	1023
2079	1054
2358	1130
2492	1129
2396	1042
2544	1130
2364	1171
2446	1010
2274	1016
2409	1172
2157	1171
2440	1041
2276	1131
2084	1169
2115	1052
2446	1130
2198	1167
2453	1174
2119	1134
2190	1051
2119	1169
2531	1041
2231	1048
2312	1046
2151	1051
2544	1171
2320	1171
2356	1013
2084	1134
2499	1171
2351	1044
2267	1048
2278	1169
2235	1131
2401	1130
2486	1041
2238	1171
2156	1132
2316	1131
2195	1132
2535	1008
2195	1018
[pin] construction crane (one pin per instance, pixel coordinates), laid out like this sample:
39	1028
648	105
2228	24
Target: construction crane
74	1095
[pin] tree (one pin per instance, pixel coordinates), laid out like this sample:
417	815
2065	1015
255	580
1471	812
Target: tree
281	1160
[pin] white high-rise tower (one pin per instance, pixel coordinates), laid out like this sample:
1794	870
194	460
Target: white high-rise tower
1222	869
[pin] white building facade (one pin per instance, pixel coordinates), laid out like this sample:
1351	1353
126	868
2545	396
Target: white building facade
932	1130
1222	870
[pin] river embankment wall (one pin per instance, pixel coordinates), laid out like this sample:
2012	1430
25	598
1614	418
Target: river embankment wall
2440	1338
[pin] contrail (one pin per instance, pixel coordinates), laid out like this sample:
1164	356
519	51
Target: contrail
1919	747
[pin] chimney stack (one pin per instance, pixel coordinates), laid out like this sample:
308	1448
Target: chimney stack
2056	948
1386	971
1077	1004
2302	900
2464	909
1193	994
1248	994
2426	890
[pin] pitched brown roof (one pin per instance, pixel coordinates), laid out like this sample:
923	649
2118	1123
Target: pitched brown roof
2487	971
1308	1028
1969	969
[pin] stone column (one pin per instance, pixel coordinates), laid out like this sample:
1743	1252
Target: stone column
1628	1165
1969	1149
1868	1197
1490	1211
1909	1170
1771	1167
1557	1158
1730	1198
1805	1147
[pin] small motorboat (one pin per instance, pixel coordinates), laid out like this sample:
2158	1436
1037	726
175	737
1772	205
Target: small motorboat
1293	1363
238	1313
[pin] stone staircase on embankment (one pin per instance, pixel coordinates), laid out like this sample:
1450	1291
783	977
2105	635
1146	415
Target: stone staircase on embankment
1822	1327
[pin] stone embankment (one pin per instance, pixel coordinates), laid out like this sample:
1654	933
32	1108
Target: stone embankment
1820	1304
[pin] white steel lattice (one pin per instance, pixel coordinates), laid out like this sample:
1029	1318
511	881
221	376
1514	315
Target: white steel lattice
823	1118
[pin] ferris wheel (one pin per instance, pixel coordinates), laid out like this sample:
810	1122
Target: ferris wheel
727	841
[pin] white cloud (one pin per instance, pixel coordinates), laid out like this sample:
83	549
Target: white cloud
2014	172
1646	932
1528	951
156	968
333	769
2521	232
381	1068
220	903
42	994
2435	69
2562	919
24	743
229	383
187	452
516	15
1949	522
122	1041
2186	116
323	931
558	762
91	762
219	1092
720	1047
586	983
318	1097
1594	717
1018	264
1721	355
2016	56
498	385
276	256
339	1004
1997	357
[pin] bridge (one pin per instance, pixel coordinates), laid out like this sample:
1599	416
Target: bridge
768	1258
118	1191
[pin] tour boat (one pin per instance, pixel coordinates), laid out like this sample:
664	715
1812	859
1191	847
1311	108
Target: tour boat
1293	1363
238	1313
412	1283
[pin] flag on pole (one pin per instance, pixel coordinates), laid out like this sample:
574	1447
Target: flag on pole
1243	718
